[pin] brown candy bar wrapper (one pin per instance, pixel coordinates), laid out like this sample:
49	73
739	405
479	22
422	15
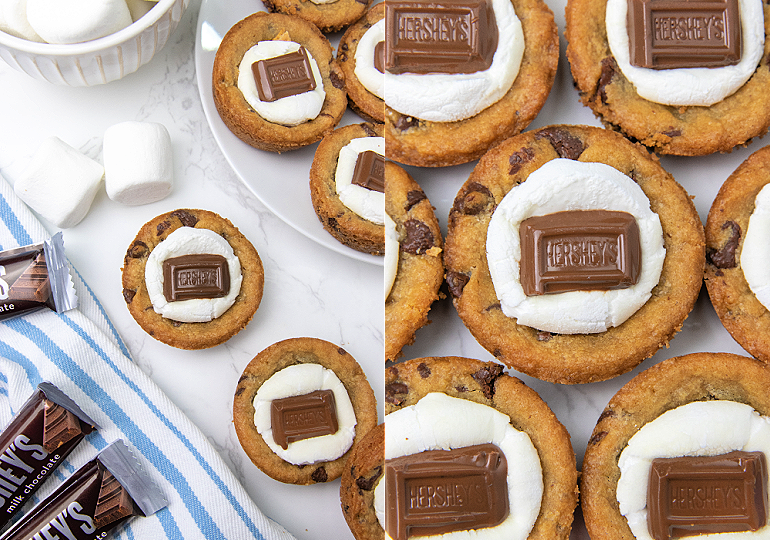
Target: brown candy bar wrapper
103	494
35	277
41	435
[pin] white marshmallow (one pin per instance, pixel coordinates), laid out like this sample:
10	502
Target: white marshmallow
59	183
137	162
13	20
75	21
139	8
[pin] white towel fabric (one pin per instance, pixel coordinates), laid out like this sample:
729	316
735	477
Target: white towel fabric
81	352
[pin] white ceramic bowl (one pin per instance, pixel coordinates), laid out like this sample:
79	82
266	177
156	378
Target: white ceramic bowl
101	60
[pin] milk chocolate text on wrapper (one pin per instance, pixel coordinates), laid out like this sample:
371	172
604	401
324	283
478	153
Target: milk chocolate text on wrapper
441	491
35	277
41	435
690	496
442	36
579	250
667	34
104	493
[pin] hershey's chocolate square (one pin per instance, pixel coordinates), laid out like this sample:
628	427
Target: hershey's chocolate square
667	34
453	36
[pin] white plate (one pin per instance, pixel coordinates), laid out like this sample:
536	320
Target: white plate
279	181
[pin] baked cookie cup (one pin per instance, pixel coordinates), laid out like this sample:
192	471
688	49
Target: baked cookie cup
414	141
728	391
167	328
236	112
479	394
328	17
301	367
346	225
666	129
414	269
727	228
577	356
357	483
366	104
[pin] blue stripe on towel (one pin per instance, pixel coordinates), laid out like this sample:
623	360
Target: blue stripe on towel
18	231
159	414
137	437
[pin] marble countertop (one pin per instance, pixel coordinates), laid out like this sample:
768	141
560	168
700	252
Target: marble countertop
310	290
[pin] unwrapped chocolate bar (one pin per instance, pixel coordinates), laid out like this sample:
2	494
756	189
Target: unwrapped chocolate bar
104	493
41	435
35	277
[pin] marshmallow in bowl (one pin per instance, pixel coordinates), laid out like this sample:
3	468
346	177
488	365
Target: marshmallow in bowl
13	20
59	183
76	21
138	165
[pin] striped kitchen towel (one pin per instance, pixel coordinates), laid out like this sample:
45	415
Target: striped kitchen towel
80	352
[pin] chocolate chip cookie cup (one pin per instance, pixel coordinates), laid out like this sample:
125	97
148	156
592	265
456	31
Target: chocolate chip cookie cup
453	117
301	407
299	110
347	186
698	109
736	262
558	332
191	279
414	269
665	429
451	416
357	483
357	56
327	16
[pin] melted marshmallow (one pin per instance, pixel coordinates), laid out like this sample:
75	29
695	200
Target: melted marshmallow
432	424
392	247
365	72
756	250
298	380
290	110
688	86
448	97
564	184
188	241
701	428
366	203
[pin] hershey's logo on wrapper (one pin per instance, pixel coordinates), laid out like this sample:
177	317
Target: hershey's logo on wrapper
452	36
64	523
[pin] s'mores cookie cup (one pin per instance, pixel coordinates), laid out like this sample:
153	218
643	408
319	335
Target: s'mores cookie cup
681	450
327	15
361	55
191	279
363	472
414	269
347	186
276	83
453	94
572	255
301	406
682	78
737	232
455	418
